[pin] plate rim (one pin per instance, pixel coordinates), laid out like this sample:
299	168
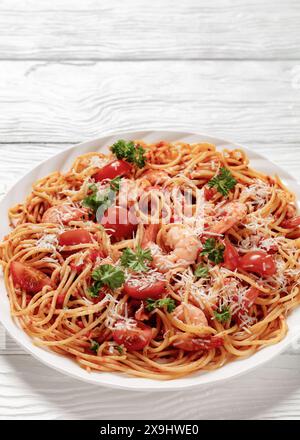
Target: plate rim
150	384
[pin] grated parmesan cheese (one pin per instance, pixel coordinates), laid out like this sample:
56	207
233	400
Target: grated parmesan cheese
144	280
114	318
48	241
259	193
98	162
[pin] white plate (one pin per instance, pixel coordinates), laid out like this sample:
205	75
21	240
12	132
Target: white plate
63	161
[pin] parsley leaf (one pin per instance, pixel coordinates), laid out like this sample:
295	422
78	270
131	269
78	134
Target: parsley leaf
128	151
109	275
97	199
94	346
223	182
201	271
213	250
103	199
115	183
152	304
120	349
137	260
140	160
93	290
223	315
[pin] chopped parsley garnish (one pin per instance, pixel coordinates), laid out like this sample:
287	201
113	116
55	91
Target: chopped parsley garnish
115	184
94	289
223	182
104	198
223	315
152	304
97	199
201	271
108	275
94	346
120	349
213	250
137	261
128	151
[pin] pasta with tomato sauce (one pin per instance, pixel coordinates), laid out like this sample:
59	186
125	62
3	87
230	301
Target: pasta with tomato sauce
154	260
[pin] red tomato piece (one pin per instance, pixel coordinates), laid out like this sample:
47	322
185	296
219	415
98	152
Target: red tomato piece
152	291
95	254
291	223
250	297
248	301
119	222
74	237
209	193
92	257
114	169
133	338
294	234
60	300
28	278
259	262
63	213
231	256
80	324
77	267
99	298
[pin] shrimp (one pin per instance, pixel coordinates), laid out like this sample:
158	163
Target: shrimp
192	315
150	235
183	243
63	214
229	215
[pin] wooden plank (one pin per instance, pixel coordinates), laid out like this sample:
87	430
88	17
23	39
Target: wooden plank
29	390
139	29
250	102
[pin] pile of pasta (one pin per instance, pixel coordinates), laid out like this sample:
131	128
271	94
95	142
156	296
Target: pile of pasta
154	260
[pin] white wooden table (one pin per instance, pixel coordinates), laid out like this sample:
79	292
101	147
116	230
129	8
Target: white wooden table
70	70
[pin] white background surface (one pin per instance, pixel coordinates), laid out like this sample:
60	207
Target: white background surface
70	70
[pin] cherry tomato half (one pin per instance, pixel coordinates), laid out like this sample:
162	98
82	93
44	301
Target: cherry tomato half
76	236
152	291
259	262
60	300
133	338
119	222
114	169
96	254
291	223
250	296
209	193
231	256
28	278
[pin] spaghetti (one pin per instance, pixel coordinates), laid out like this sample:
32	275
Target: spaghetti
154	260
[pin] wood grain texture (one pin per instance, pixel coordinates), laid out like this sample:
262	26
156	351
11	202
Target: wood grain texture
139	29
245	101
71	70
30	390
